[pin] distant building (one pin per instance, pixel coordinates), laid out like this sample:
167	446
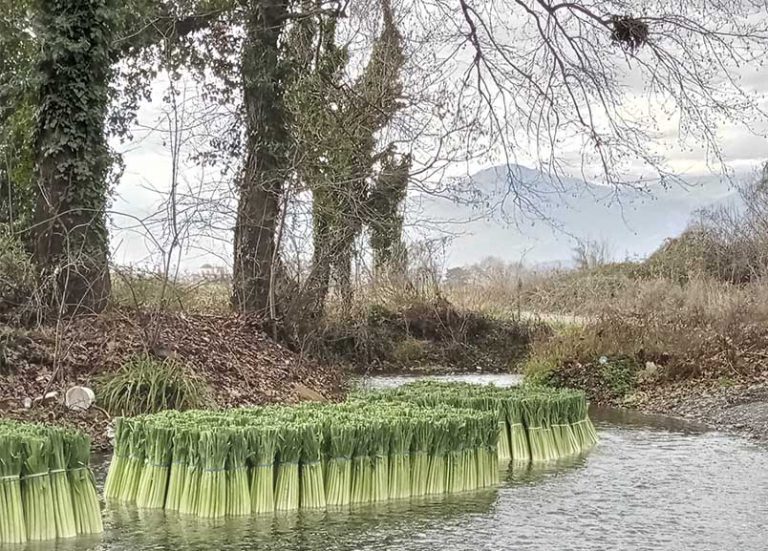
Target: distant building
208	271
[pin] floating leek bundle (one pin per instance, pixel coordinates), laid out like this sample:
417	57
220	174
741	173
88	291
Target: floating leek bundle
422	439
535	424
47	490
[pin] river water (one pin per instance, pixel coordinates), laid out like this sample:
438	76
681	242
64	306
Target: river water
652	483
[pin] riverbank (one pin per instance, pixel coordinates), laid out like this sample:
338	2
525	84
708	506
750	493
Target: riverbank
741	408
234	363
733	405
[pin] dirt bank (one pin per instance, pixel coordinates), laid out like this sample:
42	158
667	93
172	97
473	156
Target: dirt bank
734	404
240	364
740	408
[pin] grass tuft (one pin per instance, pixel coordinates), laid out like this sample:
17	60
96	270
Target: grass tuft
148	385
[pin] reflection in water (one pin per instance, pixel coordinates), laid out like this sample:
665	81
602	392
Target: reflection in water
364	527
499	379
631	418
531	474
652	484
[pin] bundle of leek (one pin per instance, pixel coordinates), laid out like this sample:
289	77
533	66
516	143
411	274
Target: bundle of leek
380	441
400	459
262	440
287	478
340	439
436	477
153	482
85	501
119	464
36	491
177	479
134	463
12	523
521	452
311	476
361	464
421	445
212	499
61	491
454	457
188	504
548	403
238	493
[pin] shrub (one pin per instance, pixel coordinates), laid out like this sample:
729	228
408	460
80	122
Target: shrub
399	334
539	370
17	275
147	385
144	289
410	351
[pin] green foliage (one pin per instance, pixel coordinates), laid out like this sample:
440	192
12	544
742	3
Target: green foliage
386	219
335	122
539	371
146	385
75	73
72	154
619	375
409	351
17	274
18	56
17	170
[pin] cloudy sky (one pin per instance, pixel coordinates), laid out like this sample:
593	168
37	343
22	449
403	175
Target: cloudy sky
141	236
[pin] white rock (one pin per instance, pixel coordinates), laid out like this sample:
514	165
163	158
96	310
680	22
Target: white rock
79	398
27	403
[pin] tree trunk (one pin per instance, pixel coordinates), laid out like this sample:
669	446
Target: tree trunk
343	277
265	168
71	241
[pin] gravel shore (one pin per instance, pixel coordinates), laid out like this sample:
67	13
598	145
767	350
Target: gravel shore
741	408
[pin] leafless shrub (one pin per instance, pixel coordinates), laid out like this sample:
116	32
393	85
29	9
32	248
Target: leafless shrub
729	243
702	329
18	277
591	253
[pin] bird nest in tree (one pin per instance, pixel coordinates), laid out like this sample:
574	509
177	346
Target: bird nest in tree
628	32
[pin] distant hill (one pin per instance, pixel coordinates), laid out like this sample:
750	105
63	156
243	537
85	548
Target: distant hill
544	230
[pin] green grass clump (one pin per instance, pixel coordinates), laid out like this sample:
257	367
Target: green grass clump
146	385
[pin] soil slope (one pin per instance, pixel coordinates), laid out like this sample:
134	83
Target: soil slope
241	364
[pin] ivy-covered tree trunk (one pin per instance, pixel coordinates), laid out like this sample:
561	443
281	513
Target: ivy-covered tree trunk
265	168
386	223
71	242
320	275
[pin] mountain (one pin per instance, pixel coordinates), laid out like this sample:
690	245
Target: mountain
544	224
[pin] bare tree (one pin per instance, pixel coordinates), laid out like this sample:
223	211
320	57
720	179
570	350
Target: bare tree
591	253
588	85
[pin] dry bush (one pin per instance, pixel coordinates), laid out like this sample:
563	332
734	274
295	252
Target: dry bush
702	329
143	289
728	243
392	325
580	292
20	288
